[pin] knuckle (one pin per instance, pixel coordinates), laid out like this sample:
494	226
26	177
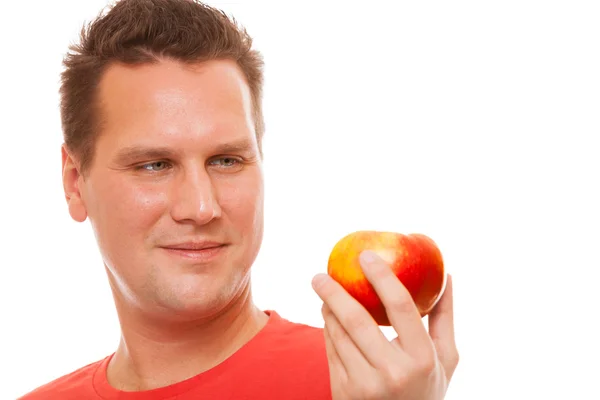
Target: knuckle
426	364
401	305
336	335
393	373
355	323
397	387
395	377
454	358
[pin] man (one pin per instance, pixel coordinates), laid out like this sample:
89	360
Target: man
161	112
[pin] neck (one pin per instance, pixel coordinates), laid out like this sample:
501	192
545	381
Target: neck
153	354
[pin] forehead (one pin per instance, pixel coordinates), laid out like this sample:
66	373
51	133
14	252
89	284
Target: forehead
170	100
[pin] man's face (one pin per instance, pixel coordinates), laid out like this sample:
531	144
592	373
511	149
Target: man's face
176	171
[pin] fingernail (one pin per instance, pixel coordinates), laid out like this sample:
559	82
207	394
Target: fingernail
368	257
319	280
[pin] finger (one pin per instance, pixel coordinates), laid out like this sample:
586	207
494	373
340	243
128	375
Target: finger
351	358
399	305
356	321
441	330
336	367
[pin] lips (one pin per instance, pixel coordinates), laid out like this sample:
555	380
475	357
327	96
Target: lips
194	246
196	251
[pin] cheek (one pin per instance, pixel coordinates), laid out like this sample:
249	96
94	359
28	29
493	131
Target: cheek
242	202
127	210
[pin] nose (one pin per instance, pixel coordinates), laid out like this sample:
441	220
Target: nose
194	199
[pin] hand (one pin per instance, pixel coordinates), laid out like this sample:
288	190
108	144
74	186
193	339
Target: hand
363	363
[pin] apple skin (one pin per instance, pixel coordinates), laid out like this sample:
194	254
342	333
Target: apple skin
414	258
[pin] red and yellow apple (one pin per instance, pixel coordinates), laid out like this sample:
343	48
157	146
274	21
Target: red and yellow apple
414	259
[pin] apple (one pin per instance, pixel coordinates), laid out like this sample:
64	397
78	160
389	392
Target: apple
414	258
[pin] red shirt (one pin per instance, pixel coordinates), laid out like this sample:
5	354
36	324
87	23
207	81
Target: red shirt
285	360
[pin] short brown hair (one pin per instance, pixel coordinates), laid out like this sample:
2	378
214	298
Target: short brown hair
144	32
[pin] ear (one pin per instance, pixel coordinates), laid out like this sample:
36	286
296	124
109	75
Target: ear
71	179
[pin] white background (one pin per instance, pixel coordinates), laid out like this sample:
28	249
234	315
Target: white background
476	123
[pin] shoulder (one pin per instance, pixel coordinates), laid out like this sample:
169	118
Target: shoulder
69	386
283	330
297	341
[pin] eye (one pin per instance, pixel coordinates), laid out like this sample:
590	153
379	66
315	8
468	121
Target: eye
154	166
225	162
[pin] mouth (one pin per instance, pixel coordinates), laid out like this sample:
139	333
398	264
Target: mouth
196	252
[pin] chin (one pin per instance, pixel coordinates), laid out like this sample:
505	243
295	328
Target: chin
198	296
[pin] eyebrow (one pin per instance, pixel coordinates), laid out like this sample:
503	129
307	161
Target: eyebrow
133	153
240	146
